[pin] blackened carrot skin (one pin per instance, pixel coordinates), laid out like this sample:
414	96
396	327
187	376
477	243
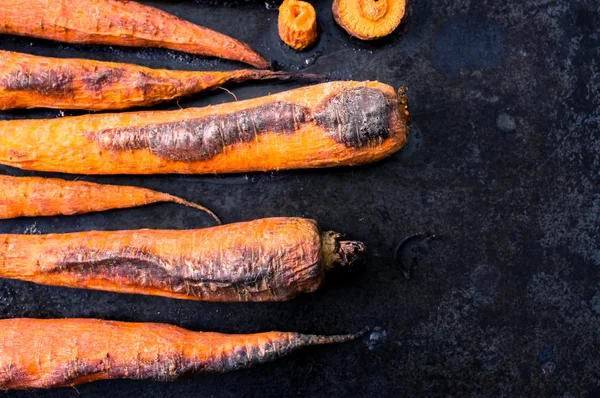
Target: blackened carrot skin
37	196
119	22
272	259
28	81
341	123
37	353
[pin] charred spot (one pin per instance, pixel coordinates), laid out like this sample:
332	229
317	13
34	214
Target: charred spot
187	276
44	81
96	81
203	138
356	117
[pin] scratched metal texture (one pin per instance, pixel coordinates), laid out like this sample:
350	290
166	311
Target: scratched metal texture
503	164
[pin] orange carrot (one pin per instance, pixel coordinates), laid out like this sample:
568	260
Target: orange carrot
45	353
325	125
119	22
36	196
28	81
273	259
297	24
369	19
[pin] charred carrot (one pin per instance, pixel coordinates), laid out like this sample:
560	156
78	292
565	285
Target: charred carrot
325	125
273	259
369	19
28	81
119	22
46	353
36	196
297	24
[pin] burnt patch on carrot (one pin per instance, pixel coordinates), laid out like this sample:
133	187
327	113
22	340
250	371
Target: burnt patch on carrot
46	82
101	78
203	138
184	275
356	117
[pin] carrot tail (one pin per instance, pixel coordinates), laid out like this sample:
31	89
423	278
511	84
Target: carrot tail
313	339
178	200
245	75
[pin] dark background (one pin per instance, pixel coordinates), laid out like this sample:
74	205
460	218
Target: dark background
503	164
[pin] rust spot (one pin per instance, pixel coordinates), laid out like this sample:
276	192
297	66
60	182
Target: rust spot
182	275
56	82
203	138
356	117
97	80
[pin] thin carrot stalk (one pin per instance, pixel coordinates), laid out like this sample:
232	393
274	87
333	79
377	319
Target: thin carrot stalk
37	196
28	81
119	22
46	353
325	125
273	259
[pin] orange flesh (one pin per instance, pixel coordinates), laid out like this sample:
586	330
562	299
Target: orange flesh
65	144
297	24
118	22
369	19
36	196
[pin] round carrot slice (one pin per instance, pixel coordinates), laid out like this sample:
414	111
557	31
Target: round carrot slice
369	19
297	24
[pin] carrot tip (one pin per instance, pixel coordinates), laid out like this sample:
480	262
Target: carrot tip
341	253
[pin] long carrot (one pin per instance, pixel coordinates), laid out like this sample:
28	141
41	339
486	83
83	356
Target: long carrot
36	196
119	22
329	124
272	259
28	81
37	353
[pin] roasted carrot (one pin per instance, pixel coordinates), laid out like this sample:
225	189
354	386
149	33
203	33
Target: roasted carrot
28	81
119	22
329	124
297	24
272	259
46	353
369	19
37	196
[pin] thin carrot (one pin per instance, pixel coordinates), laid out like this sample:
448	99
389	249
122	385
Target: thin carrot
119	22
36	196
28	81
325	125
46	353
272	259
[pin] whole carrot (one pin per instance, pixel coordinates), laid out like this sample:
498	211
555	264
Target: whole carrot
28	81
119	22
325	125
272	259
36	196
36	353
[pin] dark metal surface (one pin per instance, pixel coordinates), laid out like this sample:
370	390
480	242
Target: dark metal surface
502	165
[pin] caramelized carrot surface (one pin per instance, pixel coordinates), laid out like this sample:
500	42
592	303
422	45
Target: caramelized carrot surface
37	353
273	259
29	81
37	196
325	125
119	22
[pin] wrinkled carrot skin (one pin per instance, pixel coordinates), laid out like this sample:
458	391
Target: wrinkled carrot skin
273	259
36	353
324	125
297	24
37	196
28	81
119	22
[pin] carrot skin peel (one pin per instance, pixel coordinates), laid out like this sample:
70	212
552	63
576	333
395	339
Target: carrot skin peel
29	81
37	196
122	23
36	353
325	125
273	259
